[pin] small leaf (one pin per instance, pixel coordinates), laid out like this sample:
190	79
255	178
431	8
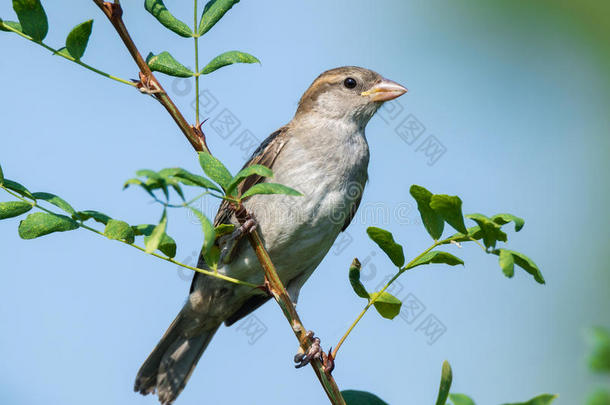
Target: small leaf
433	222
385	241
56	201
78	38
461	399
437	256
353	397
209	235
97	216
12	209
213	11
507	263
165	63
18	188
270	188
215	169
1	176
42	223
490	230
32	17
119	230
140	183
599	360
544	399
157	234
12	24
354	279
224	229
190	179
450	209
446	379
525	263
386	304
228	58
260	170
502	219
162	14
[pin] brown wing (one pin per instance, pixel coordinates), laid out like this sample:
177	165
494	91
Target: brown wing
265	155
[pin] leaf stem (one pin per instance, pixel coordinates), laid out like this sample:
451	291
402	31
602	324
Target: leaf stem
196	39
376	296
167	259
70	58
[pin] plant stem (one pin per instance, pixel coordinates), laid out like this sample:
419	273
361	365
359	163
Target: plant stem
114	13
196	39
70	58
167	259
376	296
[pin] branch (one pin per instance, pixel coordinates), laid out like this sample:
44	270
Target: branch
148	82
195	136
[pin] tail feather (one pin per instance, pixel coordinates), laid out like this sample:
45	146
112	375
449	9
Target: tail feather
171	363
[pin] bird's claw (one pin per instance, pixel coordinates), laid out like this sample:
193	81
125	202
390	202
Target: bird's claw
314	352
247	227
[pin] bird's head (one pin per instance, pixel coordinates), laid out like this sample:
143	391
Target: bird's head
348	93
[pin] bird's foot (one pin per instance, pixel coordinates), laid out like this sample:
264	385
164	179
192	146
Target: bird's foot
314	352
247	227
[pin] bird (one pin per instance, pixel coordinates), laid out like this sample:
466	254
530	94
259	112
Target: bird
323	153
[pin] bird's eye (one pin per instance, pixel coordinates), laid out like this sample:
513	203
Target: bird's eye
350	83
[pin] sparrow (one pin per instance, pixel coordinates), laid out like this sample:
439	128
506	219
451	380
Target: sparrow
322	153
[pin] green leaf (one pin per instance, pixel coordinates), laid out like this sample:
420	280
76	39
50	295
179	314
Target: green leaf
354	279
490	230
212	12
507	263
165	63
544	399
12	209
224	229
387	305
525	263
215	169
56	201
433	222
96	215
1	176
167	244
209	234
228	58
119	230
32	17
154	241
42	223
446	379
599	397
12	24
244	173
270	188
502	219
140	183
190	179
78	38
18	188
461	399
450	209
385	241
599	360
353	397
437	256
162	14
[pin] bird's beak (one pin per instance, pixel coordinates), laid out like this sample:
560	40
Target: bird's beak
385	90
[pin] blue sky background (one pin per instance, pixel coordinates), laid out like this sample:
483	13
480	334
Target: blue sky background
516	92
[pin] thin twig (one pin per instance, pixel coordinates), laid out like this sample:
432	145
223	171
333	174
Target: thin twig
114	13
